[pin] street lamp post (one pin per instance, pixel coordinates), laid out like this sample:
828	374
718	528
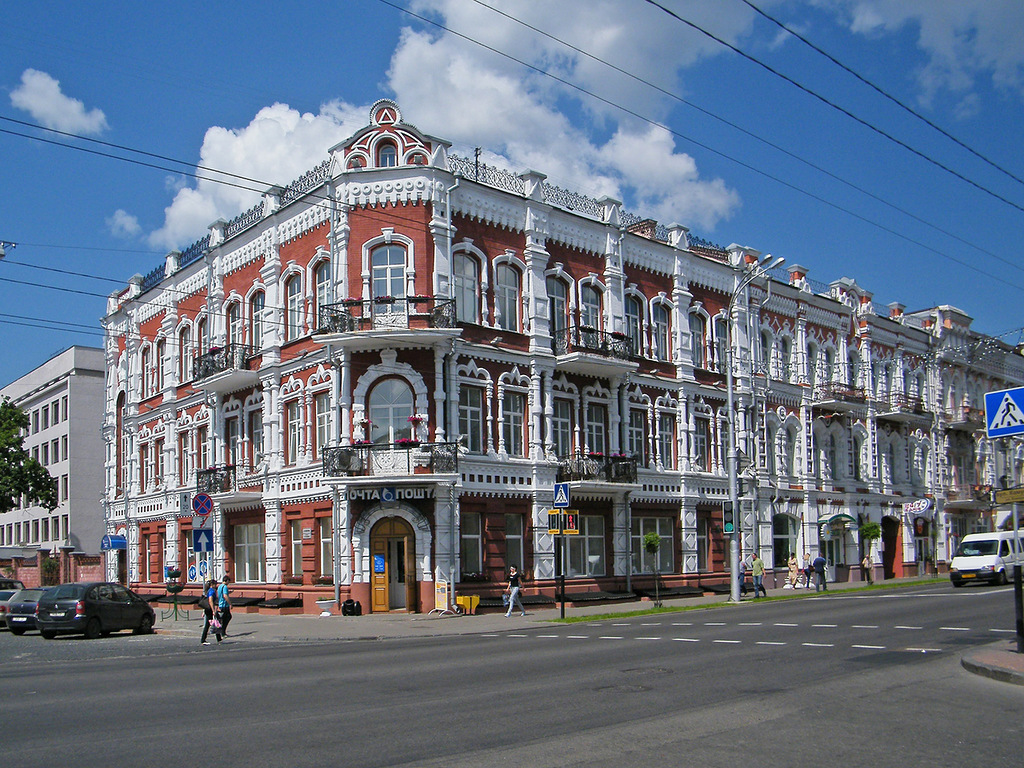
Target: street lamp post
752	272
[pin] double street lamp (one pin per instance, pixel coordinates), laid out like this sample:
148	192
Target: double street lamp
750	272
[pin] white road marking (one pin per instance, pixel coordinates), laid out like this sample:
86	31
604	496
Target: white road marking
819	645
830	626
769	642
578	637
555	636
783	624
1008	631
682	623
956	629
898	626
686	639
714	623
648	638
730	642
865	626
610	637
870	647
750	623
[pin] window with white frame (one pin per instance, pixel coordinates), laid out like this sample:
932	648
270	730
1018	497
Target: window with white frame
467	288
390	404
322	284
295	537
702	443
326	546
471	418
506	297
644	562
293	308
255	430
387	263
721	344
387	155
784	529
147	381
561	427
257	306
293	431
184	355
590	307
587	549
597	428
635	432
662	326
231	438
703	541
667	440
322	406
233	322
698	339
158	373
471	549
634	325
785	358
514	423
515	553
202	447
250	553
558	305
202	340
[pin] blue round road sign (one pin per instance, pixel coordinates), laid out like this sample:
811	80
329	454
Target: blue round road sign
202	504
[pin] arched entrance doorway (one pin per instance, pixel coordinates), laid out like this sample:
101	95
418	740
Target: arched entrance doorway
890	547
393	566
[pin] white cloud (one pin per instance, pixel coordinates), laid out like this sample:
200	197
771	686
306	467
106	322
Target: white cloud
40	95
276	147
123	225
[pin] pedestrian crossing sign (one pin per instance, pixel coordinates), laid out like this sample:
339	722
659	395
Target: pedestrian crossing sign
561	495
1004	412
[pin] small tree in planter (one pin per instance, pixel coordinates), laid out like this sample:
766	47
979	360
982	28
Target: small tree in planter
869	532
652	543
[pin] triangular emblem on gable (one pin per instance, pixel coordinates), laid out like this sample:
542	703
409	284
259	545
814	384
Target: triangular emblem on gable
386	116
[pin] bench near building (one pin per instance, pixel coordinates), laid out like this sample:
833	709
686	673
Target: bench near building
379	372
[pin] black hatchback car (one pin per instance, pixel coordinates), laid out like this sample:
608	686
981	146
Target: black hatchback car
93	609
21	610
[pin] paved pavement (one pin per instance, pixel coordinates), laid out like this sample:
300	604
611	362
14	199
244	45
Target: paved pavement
998	661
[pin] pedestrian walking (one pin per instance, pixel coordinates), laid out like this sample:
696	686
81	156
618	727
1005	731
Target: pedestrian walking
513	592
206	603
757	573
818	565
224	605
793	576
868	568
808	570
743	577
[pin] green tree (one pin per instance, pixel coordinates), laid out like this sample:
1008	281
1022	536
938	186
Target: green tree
20	474
652	543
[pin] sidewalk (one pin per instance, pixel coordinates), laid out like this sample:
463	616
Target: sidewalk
998	661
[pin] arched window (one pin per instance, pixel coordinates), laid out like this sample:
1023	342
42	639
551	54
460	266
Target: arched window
789	451
390	404
201	340
233	322
634	324
785	357
812	363
145	365
158	365
558	305
388	273
852	369
766	352
293	308
467	286
257	305
506	297
322	282
387	155
662	325
698	339
590	307
184	354
721	344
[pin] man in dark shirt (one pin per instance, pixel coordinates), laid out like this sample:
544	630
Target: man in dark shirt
819	574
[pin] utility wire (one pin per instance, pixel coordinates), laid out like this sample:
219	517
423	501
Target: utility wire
837	107
883	93
756	137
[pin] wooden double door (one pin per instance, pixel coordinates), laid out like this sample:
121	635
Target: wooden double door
393	566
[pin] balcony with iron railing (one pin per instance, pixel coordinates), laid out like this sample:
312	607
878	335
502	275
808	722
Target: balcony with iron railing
837	396
404	457
386	320
597	468
591	352
223	484
966	495
965	418
225	369
901	407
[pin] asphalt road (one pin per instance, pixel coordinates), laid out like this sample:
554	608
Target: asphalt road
872	679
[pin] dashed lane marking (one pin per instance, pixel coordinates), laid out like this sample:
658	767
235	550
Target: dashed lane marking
686	639
728	642
870	647
785	624
900	626
714	623
956	629
826	626
577	637
750	623
819	645
610	637
769	642
648	638
865	626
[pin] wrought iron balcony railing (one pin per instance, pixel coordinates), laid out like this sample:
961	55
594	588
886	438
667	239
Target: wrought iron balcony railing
904	404
400	458
834	390
387	312
967	492
597	468
231	357
216	479
591	341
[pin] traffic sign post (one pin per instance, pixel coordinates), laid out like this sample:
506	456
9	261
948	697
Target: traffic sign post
202	540
562	522
202	504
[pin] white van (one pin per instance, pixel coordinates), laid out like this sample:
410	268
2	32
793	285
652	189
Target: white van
985	557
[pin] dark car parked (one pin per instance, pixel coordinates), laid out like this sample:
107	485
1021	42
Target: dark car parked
11	584
92	609
21	610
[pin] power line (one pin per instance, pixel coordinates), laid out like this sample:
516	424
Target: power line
837	107
883	93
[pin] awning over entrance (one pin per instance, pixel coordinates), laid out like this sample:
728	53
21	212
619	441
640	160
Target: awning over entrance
110	542
836	520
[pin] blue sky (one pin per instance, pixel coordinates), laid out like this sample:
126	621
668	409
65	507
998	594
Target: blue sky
644	108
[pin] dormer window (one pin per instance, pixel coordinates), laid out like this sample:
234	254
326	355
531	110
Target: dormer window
387	156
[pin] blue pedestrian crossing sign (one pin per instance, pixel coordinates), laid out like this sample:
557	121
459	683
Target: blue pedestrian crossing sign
202	540
561	496
1004	412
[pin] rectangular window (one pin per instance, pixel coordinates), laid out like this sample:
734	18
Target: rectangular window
250	553
471	418
322	403
635	442
667	440
46	529
64	407
597	428
586	550
294	427
35	421
46	418
65	487
326	546
64	447
231	437
515	553
144	470
55	412
65	527
35	531
184	459
697	340
55	450
561	428
45	454
513	423
295	534
471	550
702	444
203	449
643	561
256	437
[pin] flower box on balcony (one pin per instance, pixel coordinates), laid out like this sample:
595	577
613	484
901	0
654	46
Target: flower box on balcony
419	299
405	442
384	300
324	580
595	455
618	335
